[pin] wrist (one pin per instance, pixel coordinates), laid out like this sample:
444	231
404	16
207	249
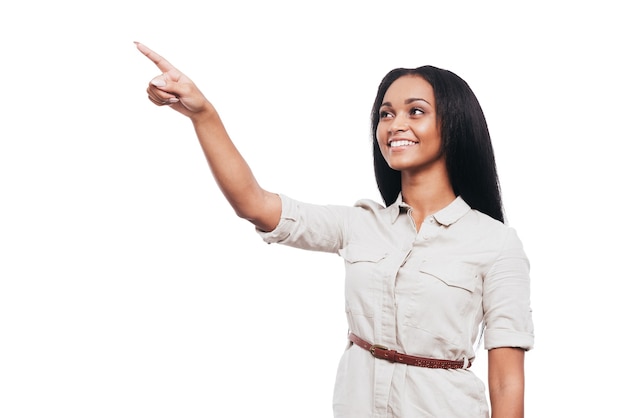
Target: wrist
206	114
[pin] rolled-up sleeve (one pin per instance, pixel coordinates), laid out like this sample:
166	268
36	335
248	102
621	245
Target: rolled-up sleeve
506	298
310	227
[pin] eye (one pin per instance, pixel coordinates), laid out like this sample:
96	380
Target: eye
416	111
385	114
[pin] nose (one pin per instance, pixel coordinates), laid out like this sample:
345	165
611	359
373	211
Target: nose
398	124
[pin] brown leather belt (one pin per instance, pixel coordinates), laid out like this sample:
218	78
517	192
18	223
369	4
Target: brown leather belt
382	352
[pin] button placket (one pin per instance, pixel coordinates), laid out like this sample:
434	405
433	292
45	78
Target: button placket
429	229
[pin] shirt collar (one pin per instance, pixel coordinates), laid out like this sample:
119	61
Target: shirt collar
446	216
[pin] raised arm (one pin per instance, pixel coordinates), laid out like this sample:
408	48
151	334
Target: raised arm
231	172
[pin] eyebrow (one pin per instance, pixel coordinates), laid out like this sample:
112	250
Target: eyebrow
407	101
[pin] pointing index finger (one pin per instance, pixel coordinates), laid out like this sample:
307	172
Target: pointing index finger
163	64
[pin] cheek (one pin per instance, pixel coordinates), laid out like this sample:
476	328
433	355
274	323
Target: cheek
430	133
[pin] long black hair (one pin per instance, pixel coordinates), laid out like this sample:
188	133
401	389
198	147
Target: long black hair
465	139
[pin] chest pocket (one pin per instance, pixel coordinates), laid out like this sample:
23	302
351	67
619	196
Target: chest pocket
441	298
364	278
361	253
453	274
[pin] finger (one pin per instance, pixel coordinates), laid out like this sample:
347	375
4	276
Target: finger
156	102
163	64
160	97
166	102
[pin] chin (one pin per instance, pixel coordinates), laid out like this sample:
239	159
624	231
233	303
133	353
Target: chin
400	165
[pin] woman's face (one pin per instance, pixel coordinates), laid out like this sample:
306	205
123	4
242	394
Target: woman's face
408	133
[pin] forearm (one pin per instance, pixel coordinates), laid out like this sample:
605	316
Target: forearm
233	174
506	382
507	402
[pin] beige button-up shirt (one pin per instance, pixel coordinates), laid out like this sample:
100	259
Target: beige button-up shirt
423	292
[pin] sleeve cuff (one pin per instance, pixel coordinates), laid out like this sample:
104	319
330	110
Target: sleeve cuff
285	225
497	338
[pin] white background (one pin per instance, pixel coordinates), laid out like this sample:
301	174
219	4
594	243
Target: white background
128	288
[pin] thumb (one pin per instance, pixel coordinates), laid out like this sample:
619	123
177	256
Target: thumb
159	81
168	78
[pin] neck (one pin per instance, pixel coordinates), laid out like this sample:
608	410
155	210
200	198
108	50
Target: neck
427	193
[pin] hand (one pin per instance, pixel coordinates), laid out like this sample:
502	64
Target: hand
173	88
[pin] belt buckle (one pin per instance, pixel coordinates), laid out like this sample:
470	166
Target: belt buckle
380	347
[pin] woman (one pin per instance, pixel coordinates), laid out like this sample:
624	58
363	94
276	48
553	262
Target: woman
424	271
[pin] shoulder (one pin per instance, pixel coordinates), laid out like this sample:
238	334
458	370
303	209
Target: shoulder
371	209
297	209
489	233
488	223
369	204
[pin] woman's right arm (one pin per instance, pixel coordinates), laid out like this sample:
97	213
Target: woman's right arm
231	172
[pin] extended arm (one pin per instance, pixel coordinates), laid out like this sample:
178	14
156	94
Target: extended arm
231	172
506	382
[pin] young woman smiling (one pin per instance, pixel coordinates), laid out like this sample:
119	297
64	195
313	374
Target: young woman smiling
427	273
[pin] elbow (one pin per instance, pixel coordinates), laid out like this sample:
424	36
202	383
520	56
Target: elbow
263	221
263	210
241	213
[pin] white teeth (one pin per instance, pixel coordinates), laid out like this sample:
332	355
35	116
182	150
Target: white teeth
401	143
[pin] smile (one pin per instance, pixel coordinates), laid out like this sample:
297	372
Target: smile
401	143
